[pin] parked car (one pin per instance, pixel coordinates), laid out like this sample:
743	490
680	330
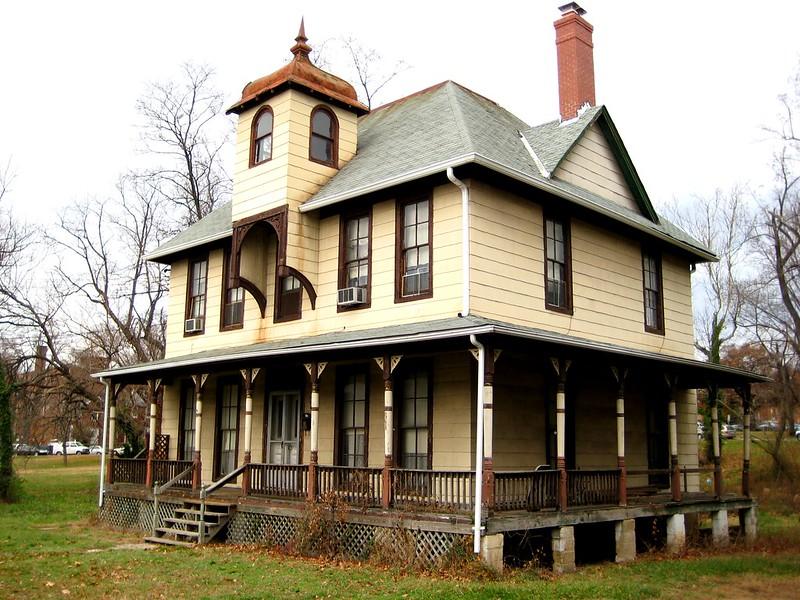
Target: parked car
797	431
727	431
95	449
700	430
767	426
72	447
30	450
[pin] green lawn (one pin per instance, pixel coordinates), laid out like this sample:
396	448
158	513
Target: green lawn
51	547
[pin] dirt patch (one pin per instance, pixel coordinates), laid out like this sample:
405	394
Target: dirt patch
132	546
752	586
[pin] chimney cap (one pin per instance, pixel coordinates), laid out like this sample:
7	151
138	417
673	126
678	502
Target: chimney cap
571	7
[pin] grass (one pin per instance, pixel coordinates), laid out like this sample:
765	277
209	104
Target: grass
51	547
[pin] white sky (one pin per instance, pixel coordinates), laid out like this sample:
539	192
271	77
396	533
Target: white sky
689	84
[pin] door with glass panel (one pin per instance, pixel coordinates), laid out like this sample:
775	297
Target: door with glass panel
227	428
283	428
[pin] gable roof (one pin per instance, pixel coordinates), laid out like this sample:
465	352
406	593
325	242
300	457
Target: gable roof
448	125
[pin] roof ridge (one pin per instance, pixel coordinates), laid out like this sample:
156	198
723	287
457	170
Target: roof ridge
458	115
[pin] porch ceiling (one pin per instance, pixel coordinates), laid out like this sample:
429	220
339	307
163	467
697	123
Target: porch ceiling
441	334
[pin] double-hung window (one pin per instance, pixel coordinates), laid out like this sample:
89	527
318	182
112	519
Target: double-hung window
653	294
353	418
196	297
187	422
414	229
262	137
414	420
557	264
289	299
232	300
323	142
354	261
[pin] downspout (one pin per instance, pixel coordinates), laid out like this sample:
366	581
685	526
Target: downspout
105	442
464	240
478	447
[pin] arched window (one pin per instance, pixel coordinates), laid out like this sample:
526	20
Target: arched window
262	137
323	146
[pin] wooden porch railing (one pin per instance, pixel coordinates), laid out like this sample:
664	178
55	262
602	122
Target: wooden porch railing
433	490
283	481
355	485
525	490
128	470
592	487
166	470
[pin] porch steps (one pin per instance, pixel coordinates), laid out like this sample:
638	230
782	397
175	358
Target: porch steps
184	528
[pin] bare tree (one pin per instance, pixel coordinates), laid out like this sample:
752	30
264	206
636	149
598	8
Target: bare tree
185	127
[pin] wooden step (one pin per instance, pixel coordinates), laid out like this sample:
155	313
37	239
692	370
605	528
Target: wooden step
190	522
169	542
208	513
160	531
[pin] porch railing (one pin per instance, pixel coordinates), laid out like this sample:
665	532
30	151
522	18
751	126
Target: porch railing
128	470
166	470
433	490
355	485
283	481
526	490
592	487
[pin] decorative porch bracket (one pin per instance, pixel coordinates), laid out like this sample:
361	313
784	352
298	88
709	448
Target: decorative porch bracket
561	367
387	364
249	376
197	473
314	371
620	374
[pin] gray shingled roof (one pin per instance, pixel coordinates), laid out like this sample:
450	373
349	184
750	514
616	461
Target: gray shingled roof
449	125
419	333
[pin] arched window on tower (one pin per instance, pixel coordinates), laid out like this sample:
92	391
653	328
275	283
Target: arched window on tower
262	137
323	146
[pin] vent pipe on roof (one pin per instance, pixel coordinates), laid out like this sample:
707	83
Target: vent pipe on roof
575	61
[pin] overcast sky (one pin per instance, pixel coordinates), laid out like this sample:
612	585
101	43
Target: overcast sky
690	85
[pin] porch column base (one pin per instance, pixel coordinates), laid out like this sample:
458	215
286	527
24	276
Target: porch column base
197	472
488	484
148	478
676	534
563	545
720	536
748	524
386	483
312	477
625	538
492	551
246	476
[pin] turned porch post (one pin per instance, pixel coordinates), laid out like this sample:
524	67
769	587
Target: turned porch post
561	367
314	371
620	375
248	375
713	393
197	471
114	389
746	406
488	427
672	411
387	365
152	389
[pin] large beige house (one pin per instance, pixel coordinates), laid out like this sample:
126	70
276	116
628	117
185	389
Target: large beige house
453	321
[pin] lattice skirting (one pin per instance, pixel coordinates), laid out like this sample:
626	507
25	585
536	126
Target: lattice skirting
123	512
359	540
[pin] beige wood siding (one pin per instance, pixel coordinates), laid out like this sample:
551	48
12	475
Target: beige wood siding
592	165
507	278
324	275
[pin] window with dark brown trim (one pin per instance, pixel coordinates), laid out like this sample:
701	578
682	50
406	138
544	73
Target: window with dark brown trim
323	145
414	419
289	301
227	438
196	297
355	254
352	417
186	422
653	293
557	265
414	277
261	142
232	300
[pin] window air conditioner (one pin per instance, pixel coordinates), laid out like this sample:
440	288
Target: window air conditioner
192	325
352	296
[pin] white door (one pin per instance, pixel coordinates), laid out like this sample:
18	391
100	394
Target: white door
284	428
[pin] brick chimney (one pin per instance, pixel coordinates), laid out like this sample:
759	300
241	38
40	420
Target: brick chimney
575	61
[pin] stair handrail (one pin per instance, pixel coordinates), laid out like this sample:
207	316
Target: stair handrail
157	490
206	491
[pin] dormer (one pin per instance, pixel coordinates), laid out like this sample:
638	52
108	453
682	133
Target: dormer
297	127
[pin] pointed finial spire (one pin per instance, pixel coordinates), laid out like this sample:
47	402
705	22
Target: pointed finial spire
301	49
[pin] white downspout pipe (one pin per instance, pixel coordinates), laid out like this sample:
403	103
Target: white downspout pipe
478	447
105	442
464	240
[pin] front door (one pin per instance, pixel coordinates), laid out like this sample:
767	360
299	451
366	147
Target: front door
283	445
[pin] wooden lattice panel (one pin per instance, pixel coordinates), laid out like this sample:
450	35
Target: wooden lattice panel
122	512
258	528
162	447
